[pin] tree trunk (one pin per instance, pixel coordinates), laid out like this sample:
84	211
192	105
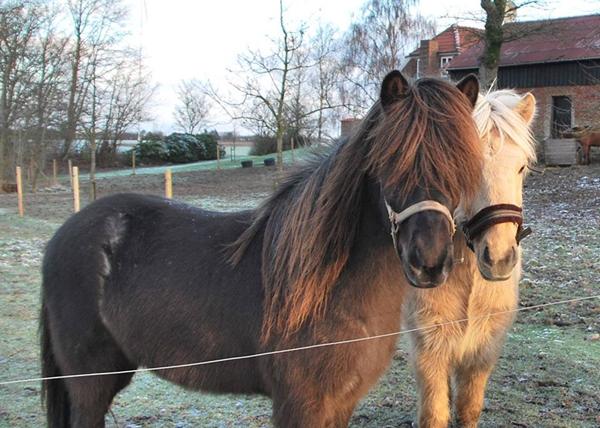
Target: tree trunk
70	131
3	165
494	36
5	170
280	149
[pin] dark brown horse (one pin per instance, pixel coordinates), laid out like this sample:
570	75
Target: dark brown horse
135	280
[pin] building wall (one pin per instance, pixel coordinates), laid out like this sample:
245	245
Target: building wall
565	73
585	106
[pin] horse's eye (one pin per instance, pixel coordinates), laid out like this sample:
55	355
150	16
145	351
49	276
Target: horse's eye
522	169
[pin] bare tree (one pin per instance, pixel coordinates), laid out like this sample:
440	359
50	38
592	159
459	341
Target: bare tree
119	97
376	44
19	23
265	91
497	32
46	101
130	95
326	76
96	27
313	95
193	108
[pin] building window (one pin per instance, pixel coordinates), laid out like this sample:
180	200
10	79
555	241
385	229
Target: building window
444	61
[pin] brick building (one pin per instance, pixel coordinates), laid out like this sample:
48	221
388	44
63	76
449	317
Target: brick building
433	56
557	60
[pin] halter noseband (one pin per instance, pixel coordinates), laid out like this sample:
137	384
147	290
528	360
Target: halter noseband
492	215
429	205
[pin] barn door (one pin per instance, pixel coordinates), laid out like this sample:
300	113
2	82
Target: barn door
561	115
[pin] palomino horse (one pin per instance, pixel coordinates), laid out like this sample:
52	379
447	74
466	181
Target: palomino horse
463	354
134	280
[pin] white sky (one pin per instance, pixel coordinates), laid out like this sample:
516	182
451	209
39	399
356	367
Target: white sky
184	39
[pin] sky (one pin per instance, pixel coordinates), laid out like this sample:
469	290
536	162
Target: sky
185	39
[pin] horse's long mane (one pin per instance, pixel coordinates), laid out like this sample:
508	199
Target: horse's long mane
494	112
310	223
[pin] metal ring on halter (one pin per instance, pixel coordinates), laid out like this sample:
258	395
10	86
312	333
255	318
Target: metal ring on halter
429	205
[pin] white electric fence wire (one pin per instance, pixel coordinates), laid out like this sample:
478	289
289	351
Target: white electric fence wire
300	348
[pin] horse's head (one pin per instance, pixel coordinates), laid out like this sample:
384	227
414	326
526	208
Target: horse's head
425	154
492	221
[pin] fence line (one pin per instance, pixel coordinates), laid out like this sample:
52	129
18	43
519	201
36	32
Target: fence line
19	179
76	188
168	184
54	173
75	184
70	167
302	348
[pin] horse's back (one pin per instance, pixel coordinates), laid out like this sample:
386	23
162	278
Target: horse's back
153	274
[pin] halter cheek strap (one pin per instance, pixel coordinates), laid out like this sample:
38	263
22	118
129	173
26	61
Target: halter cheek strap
429	205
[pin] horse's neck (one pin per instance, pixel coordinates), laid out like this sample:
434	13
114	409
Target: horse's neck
373	284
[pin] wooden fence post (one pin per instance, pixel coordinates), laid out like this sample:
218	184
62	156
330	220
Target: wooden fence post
133	162
75	181
70	163
168	183
20	192
218	156
93	190
54	172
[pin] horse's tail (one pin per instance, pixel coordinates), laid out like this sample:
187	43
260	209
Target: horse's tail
54	392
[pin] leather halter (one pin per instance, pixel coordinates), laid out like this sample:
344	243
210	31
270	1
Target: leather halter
492	215
428	205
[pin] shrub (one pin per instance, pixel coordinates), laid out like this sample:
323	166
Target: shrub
264	145
182	148
151	149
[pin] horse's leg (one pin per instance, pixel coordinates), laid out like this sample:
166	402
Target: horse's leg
586	154
294	413
307	407
95	352
432	369
91	398
470	383
291	412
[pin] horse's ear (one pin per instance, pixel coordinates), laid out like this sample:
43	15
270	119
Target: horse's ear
469	85
393	87
526	107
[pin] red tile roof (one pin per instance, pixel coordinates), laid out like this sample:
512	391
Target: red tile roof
453	39
563	39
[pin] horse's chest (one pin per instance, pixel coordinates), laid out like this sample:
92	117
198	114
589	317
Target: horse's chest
488	318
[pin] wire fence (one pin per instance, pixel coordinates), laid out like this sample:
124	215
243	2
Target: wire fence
224	184
302	348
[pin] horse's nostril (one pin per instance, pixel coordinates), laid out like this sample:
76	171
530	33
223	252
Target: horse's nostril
415	257
511	257
486	256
